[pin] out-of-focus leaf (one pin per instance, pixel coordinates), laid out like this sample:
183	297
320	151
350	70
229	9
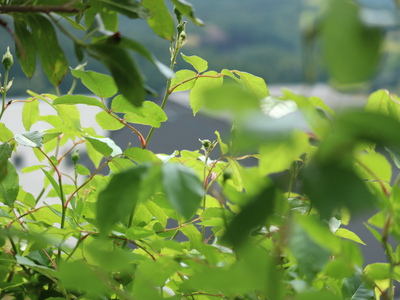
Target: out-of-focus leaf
78	99
123	69
131	9
310	256
356	288
383	102
331	186
100	84
198	63
182	188
27	55
31	139
52	57
124	191
185	8
9	186
160	19
351	49
276	108
254	214
197	97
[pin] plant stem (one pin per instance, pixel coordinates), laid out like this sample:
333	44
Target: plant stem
174	54
36	8
4	94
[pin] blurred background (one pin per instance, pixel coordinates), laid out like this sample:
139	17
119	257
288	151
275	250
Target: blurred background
281	41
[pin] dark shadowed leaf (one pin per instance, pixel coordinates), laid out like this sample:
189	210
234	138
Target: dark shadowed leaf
52	57
9	187
126	189
254	214
5	154
123	69
27	55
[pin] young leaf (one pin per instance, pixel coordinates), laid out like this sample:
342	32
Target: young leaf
185	8
100	84
197	62
27	55
78	99
123	69
182	188
160	19
254	84
197	97
30	113
183	80
31	139
5	133
52	57
347	234
9	187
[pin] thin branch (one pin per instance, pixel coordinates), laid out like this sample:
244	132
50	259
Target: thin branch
42	8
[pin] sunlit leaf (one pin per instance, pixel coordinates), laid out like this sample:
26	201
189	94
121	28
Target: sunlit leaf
347	234
5	133
30	113
105	146
108	122
197	93
183	80
78	99
100	84
198	63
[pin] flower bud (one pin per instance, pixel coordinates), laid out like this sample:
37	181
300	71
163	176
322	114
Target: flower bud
75	156
8	59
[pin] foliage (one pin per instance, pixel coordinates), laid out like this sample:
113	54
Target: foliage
192	224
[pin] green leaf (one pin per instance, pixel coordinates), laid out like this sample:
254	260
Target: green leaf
183	80
70	117
9	187
107	122
100	84
160	19
124	71
5	133
383	102
197	62
254	84
331	186
131	9
202	84
223	147
377	271
110	19
78	99
375	163
105	146
276	108
182	188
347	234
135	233
279	156
82	170
350	49
141	156
77	275
236	173
254	214
5	154
356	288
310	256
30	113
124	191
27	54
30	139
185	8
52	57
53	183
148	114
